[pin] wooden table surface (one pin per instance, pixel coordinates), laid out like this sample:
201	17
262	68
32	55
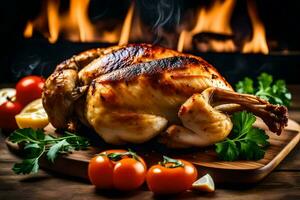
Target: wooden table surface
282	183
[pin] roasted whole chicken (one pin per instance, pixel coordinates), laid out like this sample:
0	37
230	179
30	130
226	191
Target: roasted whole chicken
132	93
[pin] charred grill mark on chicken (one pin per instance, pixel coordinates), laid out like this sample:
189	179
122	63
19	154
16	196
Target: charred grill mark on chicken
148	69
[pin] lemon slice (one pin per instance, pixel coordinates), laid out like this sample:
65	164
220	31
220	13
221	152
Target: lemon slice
32	116
205	183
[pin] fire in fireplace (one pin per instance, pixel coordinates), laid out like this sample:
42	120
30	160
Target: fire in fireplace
211	32
239	37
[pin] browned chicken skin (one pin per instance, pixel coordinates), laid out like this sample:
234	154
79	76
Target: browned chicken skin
134	92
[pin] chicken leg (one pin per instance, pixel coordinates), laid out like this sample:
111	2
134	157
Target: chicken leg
205	121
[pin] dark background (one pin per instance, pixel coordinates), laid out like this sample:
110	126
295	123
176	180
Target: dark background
20	57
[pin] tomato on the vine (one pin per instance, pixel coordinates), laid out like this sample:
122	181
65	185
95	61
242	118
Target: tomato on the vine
119	169
171	176
29	88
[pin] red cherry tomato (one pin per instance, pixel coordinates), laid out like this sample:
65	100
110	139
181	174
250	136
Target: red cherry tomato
129	174
100	172
171	176
117	169
8	110
29	88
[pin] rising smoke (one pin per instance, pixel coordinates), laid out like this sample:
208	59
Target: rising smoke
162	15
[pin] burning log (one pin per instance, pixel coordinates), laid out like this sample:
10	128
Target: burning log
208	41
214	19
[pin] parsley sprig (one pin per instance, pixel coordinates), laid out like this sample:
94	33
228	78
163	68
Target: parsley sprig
274	92
245	141
37	143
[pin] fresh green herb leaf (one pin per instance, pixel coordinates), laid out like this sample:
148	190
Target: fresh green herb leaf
245	86
31	146
31	164
77	142
243	122
27	166
227	150
54	149
249	150
49	137
274	92
283	95
26	135
37	143
245	141
32	150
258	136
265	80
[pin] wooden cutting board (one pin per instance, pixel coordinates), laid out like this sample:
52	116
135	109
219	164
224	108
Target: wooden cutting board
237	172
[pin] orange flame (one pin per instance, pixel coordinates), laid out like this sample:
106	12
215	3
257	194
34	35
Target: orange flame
258	43
75	24
39	23
79	17
53	20
127	25
215	19
137	33
28	30
184	39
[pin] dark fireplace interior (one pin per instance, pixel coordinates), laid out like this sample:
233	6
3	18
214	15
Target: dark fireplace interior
240	38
